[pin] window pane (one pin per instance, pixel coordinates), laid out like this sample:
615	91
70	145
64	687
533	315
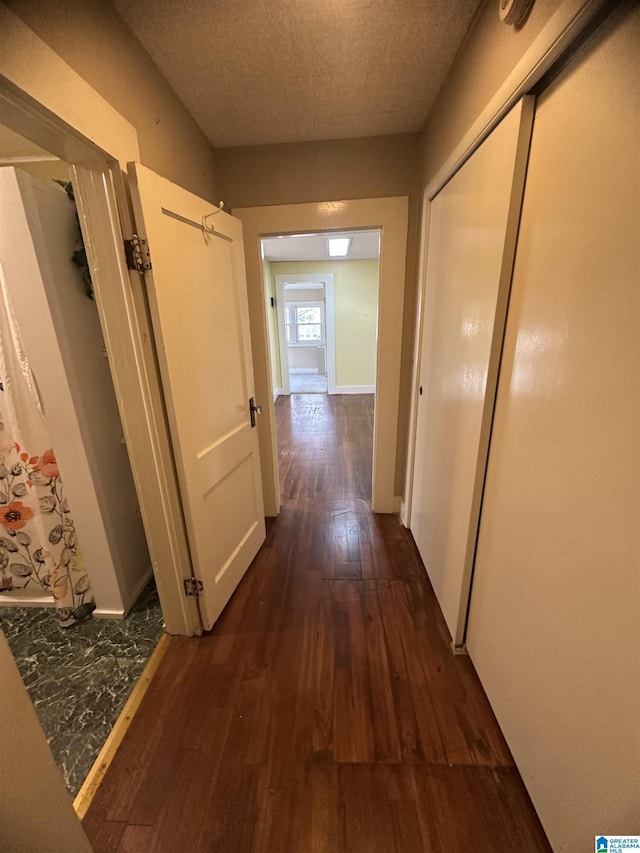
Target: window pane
287	329
309	315
309	333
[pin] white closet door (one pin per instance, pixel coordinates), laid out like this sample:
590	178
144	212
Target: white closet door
473	224
554	628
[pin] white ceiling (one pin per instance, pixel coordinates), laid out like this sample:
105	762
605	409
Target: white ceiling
313	247
253	72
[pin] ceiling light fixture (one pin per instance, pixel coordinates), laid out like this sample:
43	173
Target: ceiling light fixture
339	246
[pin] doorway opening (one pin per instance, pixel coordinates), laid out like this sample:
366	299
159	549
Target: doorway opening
305	317
322	311
389	216
71	540
303	333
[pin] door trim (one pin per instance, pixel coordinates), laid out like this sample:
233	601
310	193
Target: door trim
326	279
390	215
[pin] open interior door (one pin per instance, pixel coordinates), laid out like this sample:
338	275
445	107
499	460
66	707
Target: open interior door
199	310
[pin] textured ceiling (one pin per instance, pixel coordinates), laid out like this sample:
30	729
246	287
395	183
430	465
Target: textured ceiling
253	72
313	247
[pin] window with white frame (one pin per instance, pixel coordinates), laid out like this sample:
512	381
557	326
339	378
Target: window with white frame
304	323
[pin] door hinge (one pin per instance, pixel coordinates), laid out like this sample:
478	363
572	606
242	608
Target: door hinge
137	253
193	587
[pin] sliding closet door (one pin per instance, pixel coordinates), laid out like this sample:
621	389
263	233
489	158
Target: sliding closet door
473	225
554	627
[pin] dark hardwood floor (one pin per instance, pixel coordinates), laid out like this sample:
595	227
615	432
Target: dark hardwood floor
325	711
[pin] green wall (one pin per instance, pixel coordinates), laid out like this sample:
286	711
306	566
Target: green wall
356	314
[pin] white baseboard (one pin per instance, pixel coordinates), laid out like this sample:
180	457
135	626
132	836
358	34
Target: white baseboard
303	370
277	392
404	512
26	601
98	613
120	613
34	601
108	614
355	389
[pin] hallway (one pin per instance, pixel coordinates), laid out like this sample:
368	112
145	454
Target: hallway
307	383
325	711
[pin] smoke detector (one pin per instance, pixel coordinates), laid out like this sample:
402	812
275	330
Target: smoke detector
514	11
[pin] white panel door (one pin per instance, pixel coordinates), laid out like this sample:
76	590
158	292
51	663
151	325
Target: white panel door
198	302
472	231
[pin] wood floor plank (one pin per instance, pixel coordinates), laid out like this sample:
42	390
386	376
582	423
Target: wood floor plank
366	813
226	629
323	830
353	738
410	740
477	808
108	835
325	711
386	728
189	773
152	795
117	794
135	839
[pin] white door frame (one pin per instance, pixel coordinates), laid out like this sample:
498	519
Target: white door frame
390	215
326	279
59	111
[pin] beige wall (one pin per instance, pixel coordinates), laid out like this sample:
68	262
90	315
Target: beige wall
491	51
293	294
326	171
307	358
92	39
317	171
57	170
356	311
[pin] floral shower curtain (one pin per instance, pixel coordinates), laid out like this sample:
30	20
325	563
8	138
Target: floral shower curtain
38	542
